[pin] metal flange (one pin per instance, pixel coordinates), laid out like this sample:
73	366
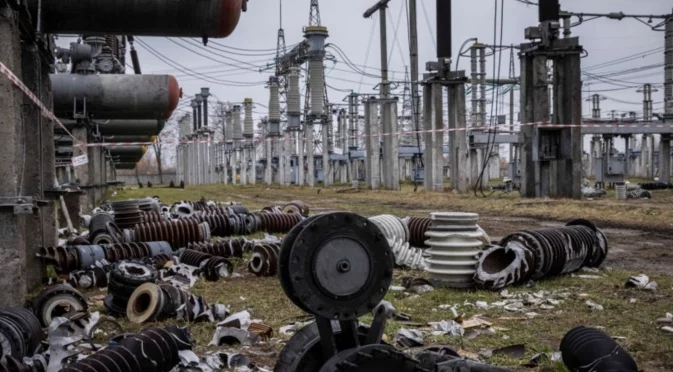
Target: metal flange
338	266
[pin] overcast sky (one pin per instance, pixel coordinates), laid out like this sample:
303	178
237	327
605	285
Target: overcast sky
605	40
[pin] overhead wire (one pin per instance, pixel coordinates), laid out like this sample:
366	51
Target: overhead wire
427	22
369	47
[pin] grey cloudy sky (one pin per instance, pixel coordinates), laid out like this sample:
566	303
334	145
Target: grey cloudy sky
605	40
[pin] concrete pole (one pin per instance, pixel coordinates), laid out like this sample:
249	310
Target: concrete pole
301	152
427	127
310	150
391	153
372	148
458	146
327	178
12	227
413	47
665	142
268	171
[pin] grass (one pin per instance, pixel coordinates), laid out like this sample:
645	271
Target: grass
266	301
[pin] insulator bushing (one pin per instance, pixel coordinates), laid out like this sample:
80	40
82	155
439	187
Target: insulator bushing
224	247
264	261
590	349
293	94
541	253
177	233
21	333
297	206
127	213
455	243
237	129
274	100
417	229
317	85
248	126
278	223
57	300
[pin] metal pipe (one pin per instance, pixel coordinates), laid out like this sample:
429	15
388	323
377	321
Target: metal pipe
206	18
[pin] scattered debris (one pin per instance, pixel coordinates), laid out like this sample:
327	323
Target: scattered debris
582	347
512	351
641	281
409	338
233	336
594	306
667	319
446	328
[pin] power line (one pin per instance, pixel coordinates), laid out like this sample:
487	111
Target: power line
190	72
427	22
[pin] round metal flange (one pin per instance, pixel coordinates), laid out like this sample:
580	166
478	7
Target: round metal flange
371	358
341	266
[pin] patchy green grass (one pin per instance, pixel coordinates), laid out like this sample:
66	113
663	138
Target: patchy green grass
651	347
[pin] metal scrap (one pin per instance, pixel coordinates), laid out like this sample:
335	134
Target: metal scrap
409	338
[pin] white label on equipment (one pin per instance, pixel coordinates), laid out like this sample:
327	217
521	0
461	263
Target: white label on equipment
80	160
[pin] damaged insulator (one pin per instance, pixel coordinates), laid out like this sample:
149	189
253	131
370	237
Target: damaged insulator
151	302
98	224
278	223
417	229
152	216
297	206
264	261
272	209
82	257
178	233
224	247
526	255
228	224
639	194
655	186
455	242
153	349
95	277
125	277
127	213
212	267
397	234
21	333
57	300
10	364
590	349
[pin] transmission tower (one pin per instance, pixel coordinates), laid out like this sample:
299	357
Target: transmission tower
314	15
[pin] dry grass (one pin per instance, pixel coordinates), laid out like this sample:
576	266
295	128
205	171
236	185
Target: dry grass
266	301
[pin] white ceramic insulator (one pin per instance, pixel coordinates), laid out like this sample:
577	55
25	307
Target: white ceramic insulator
317	85
274	103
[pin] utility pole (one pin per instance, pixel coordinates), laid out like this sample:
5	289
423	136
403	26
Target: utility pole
390	171
413	57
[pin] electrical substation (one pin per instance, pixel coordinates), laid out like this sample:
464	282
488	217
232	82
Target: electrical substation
82	121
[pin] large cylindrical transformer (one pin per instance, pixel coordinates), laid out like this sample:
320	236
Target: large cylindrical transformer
124	127
115	96
203	18
128	151
127	139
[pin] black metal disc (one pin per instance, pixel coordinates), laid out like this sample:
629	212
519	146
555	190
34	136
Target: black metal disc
340	266
371	358
284	260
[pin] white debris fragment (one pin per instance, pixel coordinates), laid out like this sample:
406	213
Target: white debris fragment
243	318
448	328
641	281
667	329
532	314
547	307
481	305
556	356
594	306
667	319
632	300
445	307
590	269
586	276
397	288
505	294
420	289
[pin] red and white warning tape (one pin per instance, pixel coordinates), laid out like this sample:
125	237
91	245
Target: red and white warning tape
401	133
4	70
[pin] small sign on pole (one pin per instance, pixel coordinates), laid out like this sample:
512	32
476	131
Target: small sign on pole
78	161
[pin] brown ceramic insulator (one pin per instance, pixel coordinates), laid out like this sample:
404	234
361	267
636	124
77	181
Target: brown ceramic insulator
264	261
151	216
417	229
297	206
178	232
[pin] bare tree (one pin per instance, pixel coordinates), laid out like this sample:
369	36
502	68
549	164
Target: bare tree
167	140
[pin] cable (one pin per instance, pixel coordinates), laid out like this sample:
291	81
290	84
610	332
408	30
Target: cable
187	71
217	54
395	39
624	59
427	22
369	47
487	155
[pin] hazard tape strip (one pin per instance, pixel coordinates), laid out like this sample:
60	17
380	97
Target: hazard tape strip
5	71
486	130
